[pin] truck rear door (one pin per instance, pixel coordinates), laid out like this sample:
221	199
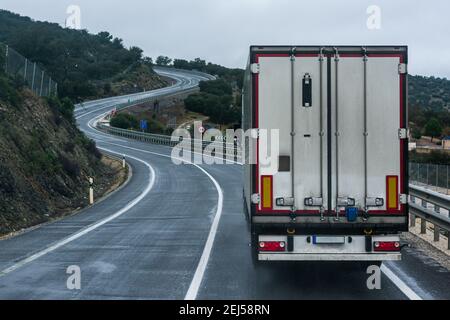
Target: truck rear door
341	121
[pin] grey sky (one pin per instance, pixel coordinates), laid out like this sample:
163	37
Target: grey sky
221	30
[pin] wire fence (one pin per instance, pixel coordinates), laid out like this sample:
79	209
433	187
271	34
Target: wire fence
19	67
432	176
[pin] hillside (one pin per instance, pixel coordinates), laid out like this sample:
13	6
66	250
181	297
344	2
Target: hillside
429	103
84	65
45	161
429	93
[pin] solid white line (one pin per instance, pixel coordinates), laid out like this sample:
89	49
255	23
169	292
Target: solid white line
203	263
400	284
201	267
90	228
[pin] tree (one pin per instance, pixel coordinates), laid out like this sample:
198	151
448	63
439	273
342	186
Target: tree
136	53
163	61
433	128
105	36
148	61
181	64
416	134
124	121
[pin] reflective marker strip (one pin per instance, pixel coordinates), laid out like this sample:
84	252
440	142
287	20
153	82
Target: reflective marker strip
266	192
392	192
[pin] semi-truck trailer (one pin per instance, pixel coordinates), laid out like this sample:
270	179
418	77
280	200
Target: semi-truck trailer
336	188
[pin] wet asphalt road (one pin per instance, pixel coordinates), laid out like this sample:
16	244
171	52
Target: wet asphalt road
146	240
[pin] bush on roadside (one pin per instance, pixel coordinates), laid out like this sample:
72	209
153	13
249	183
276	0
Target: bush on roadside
434	157
124	121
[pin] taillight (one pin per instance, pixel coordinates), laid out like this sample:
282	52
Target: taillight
272	246
386	246
266	192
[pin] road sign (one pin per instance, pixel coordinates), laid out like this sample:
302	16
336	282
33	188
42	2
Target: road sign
201	130
144	124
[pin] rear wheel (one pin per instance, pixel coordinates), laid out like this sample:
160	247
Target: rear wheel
254	249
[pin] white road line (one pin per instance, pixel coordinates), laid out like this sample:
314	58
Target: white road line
400	284
90	228
201	267
203	263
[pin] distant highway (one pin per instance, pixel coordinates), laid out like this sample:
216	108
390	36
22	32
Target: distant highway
176	232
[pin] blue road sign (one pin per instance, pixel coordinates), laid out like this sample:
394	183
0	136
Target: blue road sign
144	124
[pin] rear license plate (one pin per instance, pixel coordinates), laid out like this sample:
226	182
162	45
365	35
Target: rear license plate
328	240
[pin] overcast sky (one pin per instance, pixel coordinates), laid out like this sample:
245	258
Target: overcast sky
222	30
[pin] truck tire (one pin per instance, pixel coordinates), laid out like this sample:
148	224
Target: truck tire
254	249
246	213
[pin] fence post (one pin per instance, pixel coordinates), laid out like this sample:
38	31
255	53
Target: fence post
34	76
437	175
412	220
26	69
437	230
436	233
49	86
42	83
423	222
420	174
423	226
6	58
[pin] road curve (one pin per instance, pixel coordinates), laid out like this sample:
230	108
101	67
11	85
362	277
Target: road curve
175	232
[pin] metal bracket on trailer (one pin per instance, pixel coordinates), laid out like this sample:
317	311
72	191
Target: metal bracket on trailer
256	198
402	68
255	68
403	198
403	133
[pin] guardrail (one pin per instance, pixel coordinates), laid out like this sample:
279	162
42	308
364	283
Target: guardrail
221	149
197	146
438	202
196	72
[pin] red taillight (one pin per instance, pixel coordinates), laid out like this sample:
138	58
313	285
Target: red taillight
272	246
386	246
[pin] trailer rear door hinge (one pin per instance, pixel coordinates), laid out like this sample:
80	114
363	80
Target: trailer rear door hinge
255	68
403	133
403	198
402	68
256	199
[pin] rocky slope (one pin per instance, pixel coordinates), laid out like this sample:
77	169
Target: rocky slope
45	161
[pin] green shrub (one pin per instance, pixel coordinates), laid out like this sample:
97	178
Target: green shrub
217	87
71	167
125	121
63	106
434	157
7	91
